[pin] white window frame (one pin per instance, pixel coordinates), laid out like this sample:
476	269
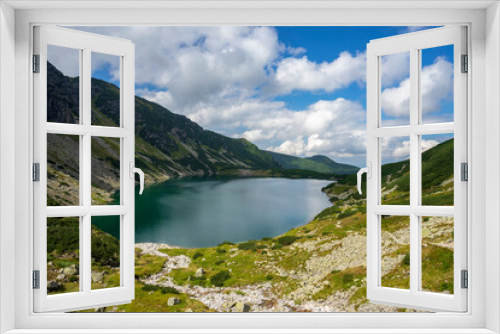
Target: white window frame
413	43
483	125
85	44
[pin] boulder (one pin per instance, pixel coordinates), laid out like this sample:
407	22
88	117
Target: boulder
97	277
60	277
240	307
52	285
173	301
199	273
71	270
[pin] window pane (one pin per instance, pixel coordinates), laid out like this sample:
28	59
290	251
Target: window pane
395	89
436	84
437	169
105	171
395	251
395	158
105	252
63	85
63	170
105	90
437	254
63	255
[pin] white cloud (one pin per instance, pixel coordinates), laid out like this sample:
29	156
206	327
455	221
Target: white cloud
428	144
295	51
398	148
291	147
302	74
437	86
394	68
67	60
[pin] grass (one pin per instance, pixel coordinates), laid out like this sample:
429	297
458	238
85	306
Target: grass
147	265
341	281
437	269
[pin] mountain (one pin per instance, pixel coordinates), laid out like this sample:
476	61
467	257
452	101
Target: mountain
317	163
166	143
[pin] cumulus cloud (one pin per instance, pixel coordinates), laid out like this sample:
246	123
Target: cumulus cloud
302	74
67	60
335	128
436	87
398	148
394	68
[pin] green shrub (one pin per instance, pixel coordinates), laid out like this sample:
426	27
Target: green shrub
219	262
262	246
73	278
149	287
264	252
197	255
277	246
348	278
219	278
335	271
269	277
226	243
169	289
287	240
328	212
406	259
346	214
221	250
249	245
267	239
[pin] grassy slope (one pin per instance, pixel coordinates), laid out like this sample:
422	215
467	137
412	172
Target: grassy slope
338	223
320	164
271	260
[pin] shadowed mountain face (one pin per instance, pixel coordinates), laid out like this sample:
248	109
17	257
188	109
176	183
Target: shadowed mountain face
167	144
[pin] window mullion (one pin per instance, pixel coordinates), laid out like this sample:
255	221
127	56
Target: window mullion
414	170
85	251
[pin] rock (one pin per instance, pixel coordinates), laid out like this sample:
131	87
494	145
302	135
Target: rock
97	277
188	310
71	270
60	277
173	301
240	307
199	273
52	285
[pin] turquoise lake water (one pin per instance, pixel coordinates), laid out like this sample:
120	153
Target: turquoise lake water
203	212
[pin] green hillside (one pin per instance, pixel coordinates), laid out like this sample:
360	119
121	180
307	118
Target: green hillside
338	168
437	178
318	163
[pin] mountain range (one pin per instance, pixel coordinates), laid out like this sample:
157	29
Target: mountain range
167	144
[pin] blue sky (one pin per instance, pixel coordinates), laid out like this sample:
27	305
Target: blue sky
294	90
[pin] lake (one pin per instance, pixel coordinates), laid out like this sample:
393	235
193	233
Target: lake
203	212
